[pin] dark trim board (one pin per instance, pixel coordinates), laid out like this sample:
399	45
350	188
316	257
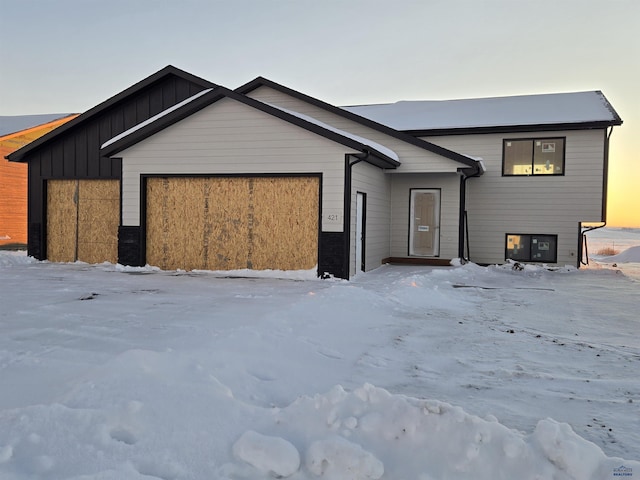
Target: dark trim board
233	175
133	247
433	261
551	127
43	224
605	174
332	254
130	246
35	242
363	240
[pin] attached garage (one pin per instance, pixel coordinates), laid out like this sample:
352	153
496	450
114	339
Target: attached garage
225	182
232	222
64	164
82	220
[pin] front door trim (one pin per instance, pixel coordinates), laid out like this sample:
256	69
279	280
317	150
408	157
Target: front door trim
431	226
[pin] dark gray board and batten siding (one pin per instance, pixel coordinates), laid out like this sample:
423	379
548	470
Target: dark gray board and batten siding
73	152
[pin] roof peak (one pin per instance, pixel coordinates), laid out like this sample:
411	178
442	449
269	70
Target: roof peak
109	103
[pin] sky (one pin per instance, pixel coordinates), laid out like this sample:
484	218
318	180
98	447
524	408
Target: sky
66	56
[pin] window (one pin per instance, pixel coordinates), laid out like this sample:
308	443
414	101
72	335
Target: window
532	248
533	156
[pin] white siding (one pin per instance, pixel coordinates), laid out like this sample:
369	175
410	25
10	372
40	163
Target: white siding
413	159
229	137
449	186
377	185
555	205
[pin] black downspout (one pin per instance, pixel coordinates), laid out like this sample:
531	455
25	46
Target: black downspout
347	208
582	242
466	230
605	179
462	215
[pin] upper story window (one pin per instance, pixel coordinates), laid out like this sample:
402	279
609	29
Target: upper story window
533	156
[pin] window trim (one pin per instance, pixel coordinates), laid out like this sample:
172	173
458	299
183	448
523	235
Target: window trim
530	260
533	140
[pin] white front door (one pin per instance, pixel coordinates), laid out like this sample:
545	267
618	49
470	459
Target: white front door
424	225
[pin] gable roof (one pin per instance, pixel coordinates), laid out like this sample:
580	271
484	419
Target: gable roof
371	123
17	123
515	113
371	151
169	70
13	141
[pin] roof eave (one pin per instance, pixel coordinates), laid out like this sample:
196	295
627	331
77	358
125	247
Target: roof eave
375	157
261	81
18	155
378	159
612	110
162	123
594	125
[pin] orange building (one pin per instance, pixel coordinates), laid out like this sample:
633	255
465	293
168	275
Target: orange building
15	132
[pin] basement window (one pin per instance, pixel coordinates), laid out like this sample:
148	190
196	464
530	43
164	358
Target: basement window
532	248
533	156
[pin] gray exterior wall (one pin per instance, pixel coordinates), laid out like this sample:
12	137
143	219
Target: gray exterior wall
553	205
231	138
413	159
449	186
377	185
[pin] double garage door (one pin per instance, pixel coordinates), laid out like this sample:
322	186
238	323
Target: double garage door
232	223
208	223
82	220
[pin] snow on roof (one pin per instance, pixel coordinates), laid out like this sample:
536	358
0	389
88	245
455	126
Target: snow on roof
17	123
365	141
150	120
558	108
374	145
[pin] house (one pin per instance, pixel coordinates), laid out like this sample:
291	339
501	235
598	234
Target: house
15	132
266	177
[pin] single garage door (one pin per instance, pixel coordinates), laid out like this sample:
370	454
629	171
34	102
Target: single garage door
82	220
232	223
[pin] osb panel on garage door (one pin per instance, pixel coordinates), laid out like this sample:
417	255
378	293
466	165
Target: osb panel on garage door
221	223
285	223
82	220
62	220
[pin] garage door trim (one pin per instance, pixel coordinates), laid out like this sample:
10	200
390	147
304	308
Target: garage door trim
143	197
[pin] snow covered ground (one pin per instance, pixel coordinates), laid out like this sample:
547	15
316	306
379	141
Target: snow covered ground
413	373
624	241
